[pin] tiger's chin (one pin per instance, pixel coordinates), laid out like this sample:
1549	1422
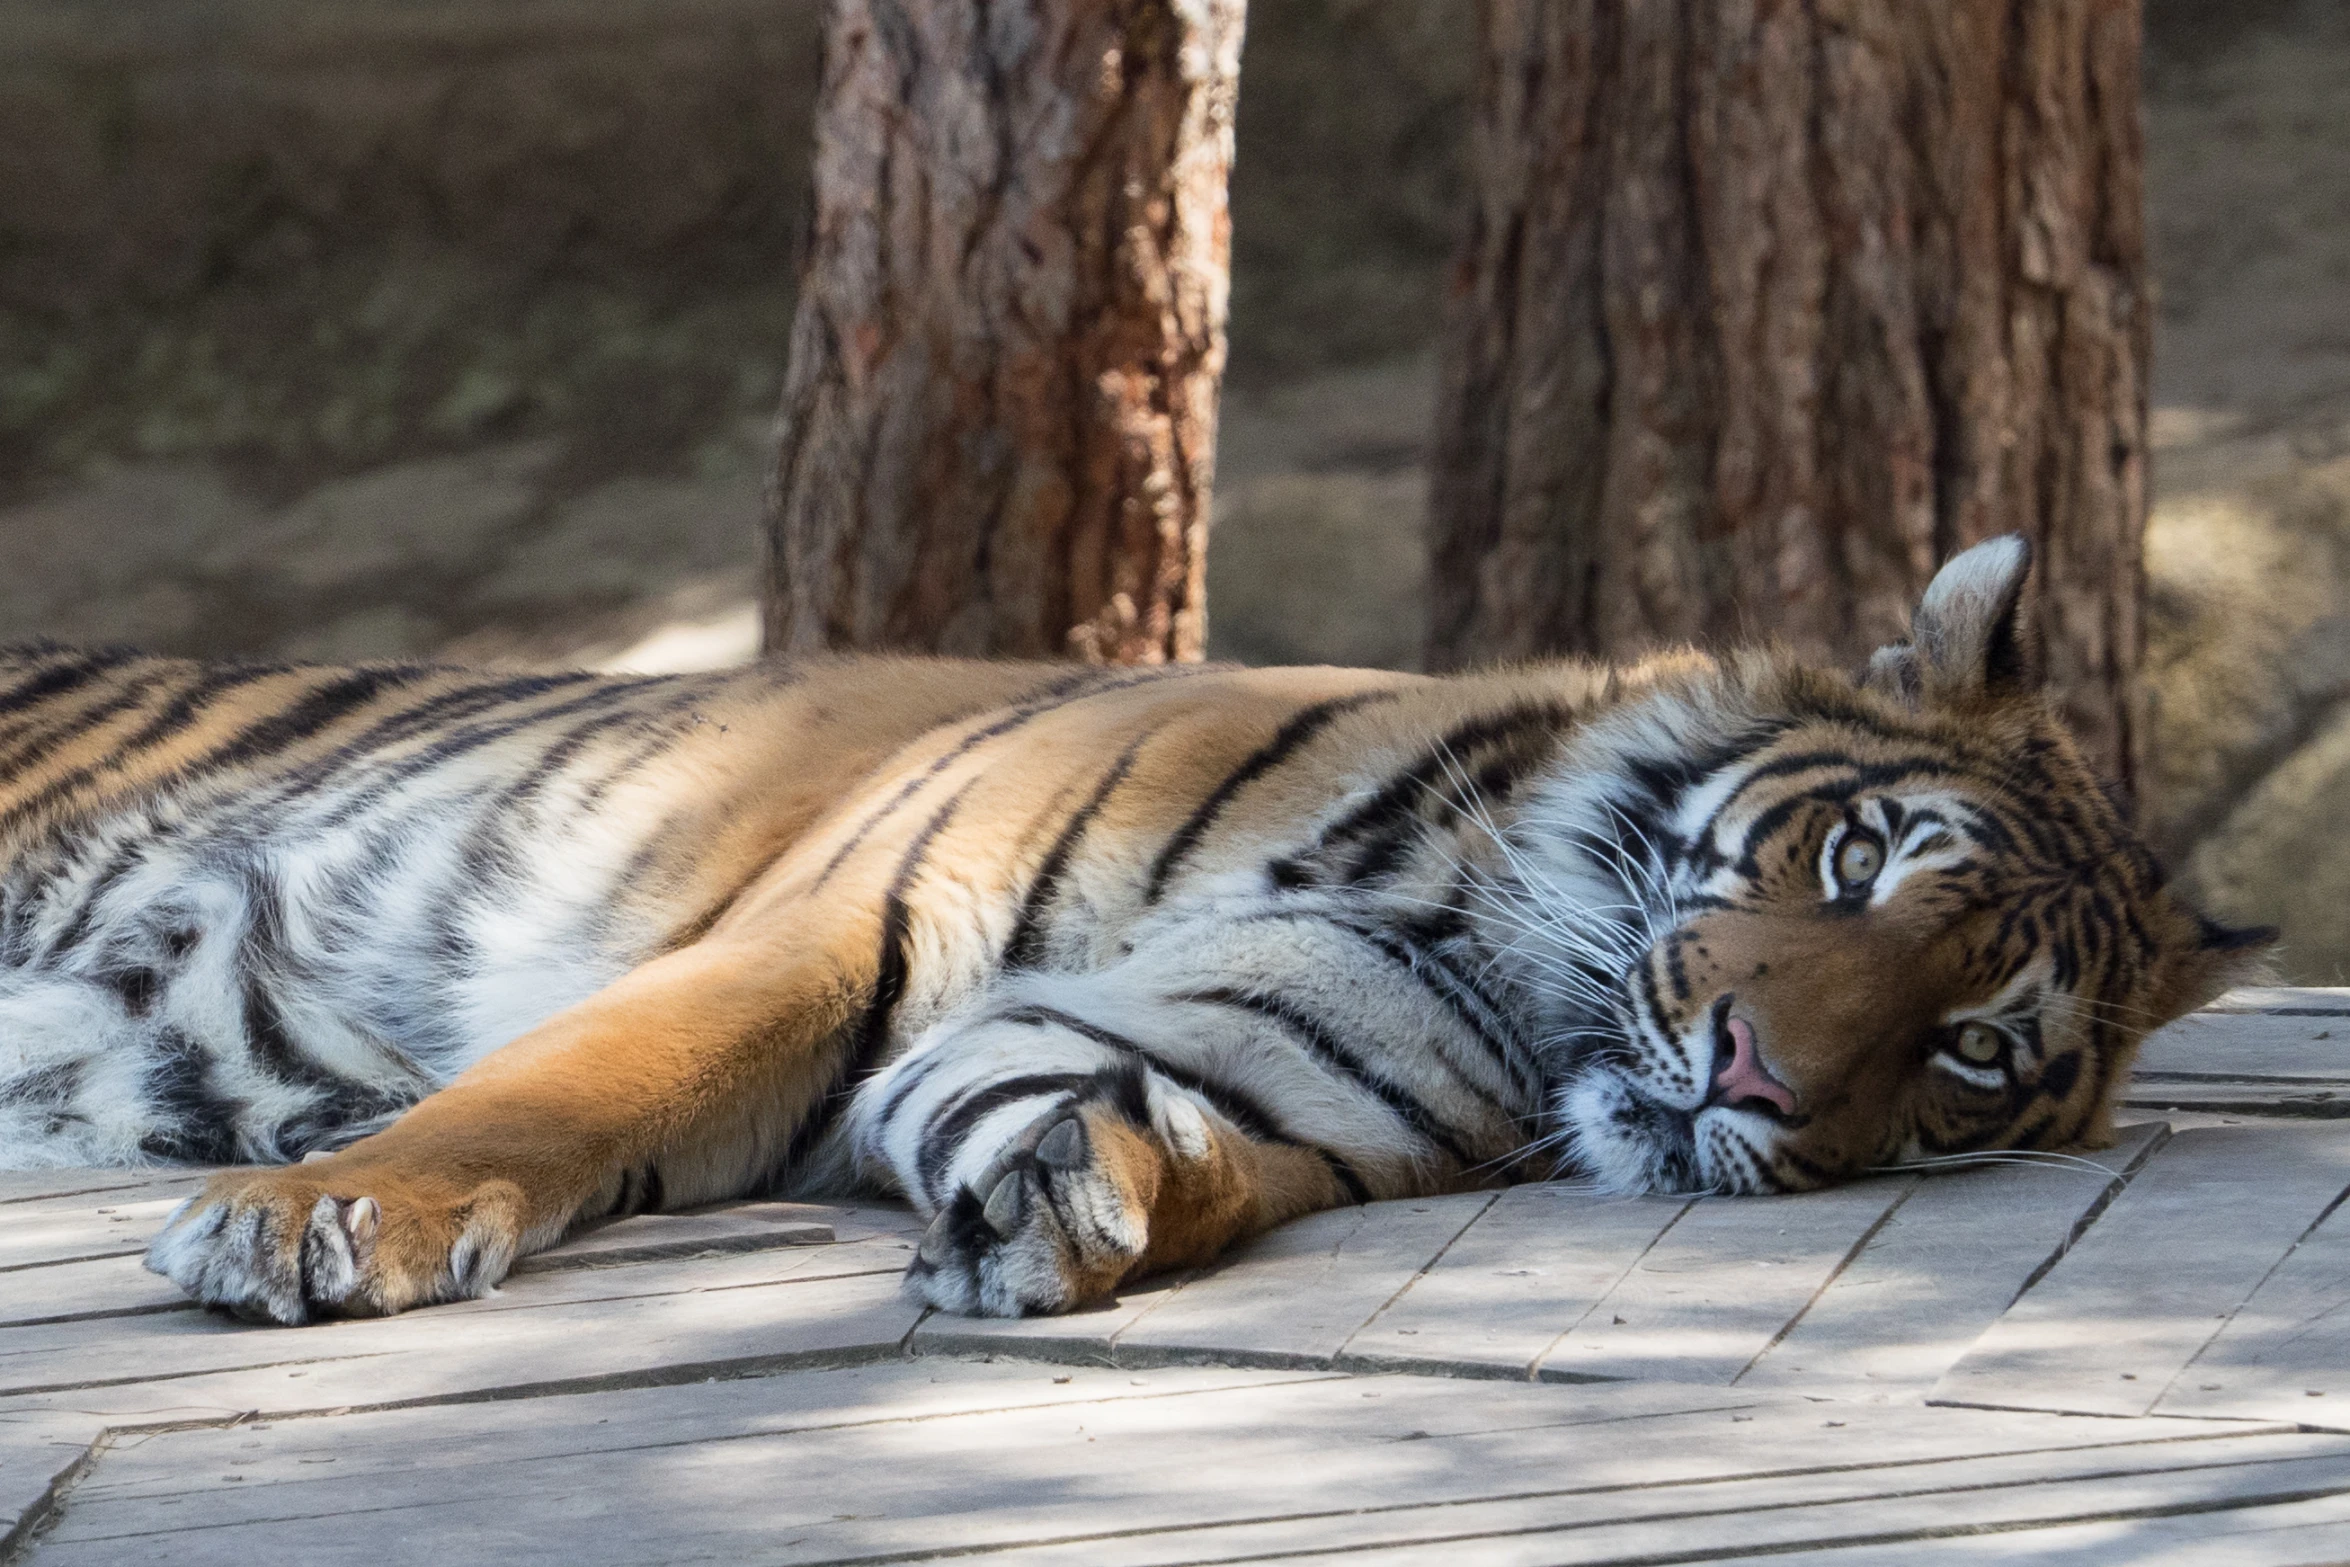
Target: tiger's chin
1622	1139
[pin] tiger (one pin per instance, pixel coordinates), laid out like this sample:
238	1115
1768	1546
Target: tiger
1101	970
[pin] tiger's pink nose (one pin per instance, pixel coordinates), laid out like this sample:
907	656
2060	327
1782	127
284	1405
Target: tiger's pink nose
1744	1077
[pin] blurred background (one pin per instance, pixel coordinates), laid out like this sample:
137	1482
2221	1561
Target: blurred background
347	329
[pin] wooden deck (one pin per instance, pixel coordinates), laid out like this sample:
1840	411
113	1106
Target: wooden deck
2141	1358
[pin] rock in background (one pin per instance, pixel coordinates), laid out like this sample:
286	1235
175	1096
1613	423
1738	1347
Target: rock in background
356	328
2248	548
438	327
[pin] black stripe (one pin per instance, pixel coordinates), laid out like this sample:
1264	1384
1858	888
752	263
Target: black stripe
566	748
1021	951
1857	777
943	1138
917	1072
442	707
1242	1109
51	1088
2060	1076
641	1191
195	1121
450	746
1335	1053
1819	1174
1658	1012
1356	1188
871	1037
1478	1015
1056	695
127	857
37	740
177	715
271	1043
319	708
1385	821
1676	964
490	849
664	726
660	739
1301	728
50	680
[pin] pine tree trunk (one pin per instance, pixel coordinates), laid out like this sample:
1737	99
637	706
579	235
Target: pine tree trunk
1768	307
999	417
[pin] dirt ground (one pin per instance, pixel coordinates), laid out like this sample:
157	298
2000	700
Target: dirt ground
350	357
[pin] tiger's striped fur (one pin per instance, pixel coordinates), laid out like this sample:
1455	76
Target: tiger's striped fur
1103	969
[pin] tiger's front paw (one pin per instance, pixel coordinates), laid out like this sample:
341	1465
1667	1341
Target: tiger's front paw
1085	1199
303	1242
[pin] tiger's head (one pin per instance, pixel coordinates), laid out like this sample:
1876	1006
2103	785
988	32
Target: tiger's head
1831	924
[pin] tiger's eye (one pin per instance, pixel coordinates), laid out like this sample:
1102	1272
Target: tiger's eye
1979	1043
1858	859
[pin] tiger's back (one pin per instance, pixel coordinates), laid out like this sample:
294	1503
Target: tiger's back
250	911
247	910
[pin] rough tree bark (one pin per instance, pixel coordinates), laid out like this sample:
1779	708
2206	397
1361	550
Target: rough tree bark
1768	306
999	417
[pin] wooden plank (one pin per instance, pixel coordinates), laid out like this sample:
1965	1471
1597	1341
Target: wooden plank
2305	1000
851	1444
22	1186
1721	1284
78	1291
1105	1467
2208	1045
1879	1503
2286	1354
1531	1267
711	1232
541	1328
2292	1065
34	1234
66	1354
118	1286
853	1221
1524	1271
1753	1522
1087	1337
1943	1267
43	1229
1299	1293
2237	1098
2314	1533
37	1455
634	1487
2177	1253
617	1428
642	1340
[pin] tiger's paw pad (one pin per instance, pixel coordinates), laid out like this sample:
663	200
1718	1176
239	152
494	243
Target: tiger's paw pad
1061	1218
282	1246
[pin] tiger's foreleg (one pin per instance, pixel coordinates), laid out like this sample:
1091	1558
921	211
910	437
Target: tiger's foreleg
693	1077
1059	1159
1071	1132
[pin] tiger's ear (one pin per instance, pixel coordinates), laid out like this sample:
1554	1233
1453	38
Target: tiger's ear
1968	640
